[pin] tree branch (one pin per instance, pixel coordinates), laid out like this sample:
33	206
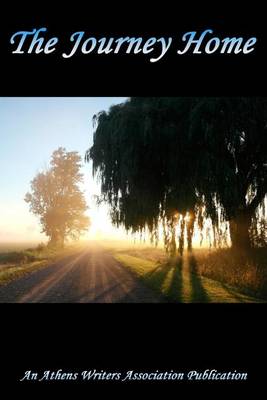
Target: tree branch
261	193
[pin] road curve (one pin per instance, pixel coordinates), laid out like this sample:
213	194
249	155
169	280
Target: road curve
90	276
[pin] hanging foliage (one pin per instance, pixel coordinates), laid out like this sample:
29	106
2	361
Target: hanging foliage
172	162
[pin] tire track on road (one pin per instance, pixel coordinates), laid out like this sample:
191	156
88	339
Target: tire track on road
40	290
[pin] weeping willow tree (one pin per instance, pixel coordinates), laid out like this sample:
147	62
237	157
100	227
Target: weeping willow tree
173	162
232	133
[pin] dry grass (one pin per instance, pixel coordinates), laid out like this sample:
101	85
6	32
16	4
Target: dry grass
246	271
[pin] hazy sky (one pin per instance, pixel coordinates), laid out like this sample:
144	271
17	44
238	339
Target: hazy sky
31	129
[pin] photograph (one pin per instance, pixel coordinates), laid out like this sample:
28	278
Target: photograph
133	200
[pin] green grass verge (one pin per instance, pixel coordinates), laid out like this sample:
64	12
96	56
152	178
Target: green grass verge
16	264
9	273
178	281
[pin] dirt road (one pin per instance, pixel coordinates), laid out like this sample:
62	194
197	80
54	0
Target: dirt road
90	276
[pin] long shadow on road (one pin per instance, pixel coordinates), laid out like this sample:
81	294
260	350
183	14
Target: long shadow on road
175	287
198	293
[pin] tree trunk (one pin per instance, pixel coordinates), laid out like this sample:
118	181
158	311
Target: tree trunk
214	230
56	240
181	237
173	243
190	231
239	230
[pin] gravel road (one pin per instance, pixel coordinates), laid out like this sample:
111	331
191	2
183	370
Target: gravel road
90	276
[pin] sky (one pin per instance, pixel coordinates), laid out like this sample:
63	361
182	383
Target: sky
31	128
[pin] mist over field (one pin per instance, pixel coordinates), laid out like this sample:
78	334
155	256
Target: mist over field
140	199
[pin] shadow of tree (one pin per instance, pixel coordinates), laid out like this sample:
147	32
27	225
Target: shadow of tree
174	287
198	294
157	276
156	279
233	293
174	291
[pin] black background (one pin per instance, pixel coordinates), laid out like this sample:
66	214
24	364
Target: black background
134	75
121	337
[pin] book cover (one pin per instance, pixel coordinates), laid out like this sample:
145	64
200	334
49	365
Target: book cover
133	199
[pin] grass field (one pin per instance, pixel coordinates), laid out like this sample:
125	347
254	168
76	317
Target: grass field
203	276
10	246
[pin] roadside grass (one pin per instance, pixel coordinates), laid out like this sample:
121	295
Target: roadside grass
13	272
244	270
182	279
26	256
14	264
